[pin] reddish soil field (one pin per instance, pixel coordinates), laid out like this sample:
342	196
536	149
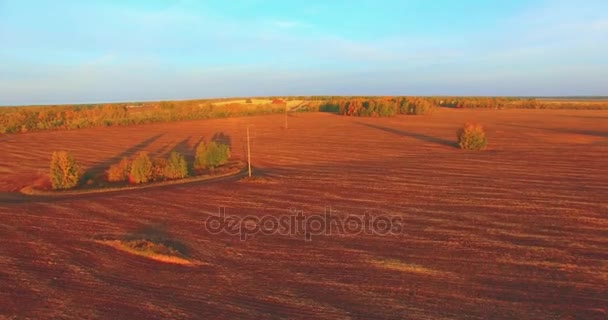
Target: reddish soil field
519	231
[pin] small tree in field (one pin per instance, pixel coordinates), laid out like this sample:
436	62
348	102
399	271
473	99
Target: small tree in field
159	167
211	155
217	154
65	172
119	171
141	169
200	156
177	167
472	137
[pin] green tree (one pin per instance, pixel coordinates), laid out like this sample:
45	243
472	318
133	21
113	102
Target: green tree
159	167
141	169
176	167
64	171
210	155
119	171
472	137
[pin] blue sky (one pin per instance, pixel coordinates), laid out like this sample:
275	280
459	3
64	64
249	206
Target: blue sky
93	51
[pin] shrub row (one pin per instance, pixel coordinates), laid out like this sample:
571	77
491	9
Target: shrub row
65	173
142	168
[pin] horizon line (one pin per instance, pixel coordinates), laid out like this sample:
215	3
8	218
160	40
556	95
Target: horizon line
583	97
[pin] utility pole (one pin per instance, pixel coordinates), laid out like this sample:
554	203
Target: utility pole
248	152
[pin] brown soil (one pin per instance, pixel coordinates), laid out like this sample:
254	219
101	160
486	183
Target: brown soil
518	231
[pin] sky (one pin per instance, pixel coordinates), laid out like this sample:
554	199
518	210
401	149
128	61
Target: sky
123	50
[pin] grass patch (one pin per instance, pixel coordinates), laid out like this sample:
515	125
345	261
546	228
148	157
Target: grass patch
149	249
405	267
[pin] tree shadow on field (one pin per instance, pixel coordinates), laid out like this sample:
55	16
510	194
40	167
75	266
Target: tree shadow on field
591	133
183	147
162	149
417	136
222	138
186	150
156	233
127	153
586	117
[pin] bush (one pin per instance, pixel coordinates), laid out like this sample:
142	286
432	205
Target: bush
472	137
65	172
159	166
120	171
210	155
248	101
177	167
218	154
200	156
141	169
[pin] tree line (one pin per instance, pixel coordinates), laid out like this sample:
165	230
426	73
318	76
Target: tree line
25	119
62	117
389	106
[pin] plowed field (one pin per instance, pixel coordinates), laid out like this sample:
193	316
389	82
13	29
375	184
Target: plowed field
518	231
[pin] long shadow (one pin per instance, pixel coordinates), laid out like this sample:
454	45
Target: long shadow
586	117
127	153
163	150
418	136
186	150
182	147
592	133
222	138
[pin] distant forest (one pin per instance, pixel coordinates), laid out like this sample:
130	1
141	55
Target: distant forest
63	117
33	118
